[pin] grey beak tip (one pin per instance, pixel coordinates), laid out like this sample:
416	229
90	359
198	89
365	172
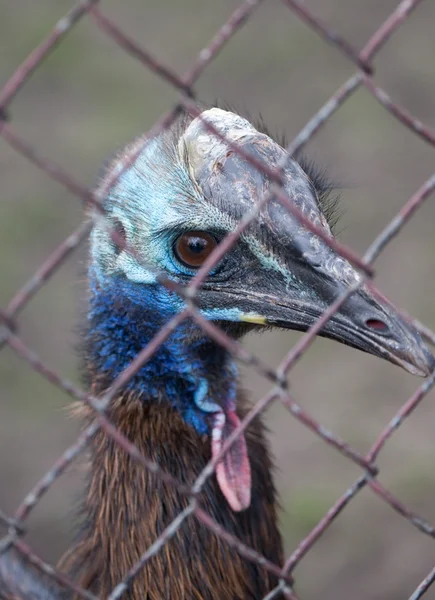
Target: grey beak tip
430	363
423	363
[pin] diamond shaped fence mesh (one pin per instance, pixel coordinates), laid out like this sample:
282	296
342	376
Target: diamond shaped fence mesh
23	573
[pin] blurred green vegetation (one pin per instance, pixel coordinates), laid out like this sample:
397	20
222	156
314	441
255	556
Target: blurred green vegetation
305	508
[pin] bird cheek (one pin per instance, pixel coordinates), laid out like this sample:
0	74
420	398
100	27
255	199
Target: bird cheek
223	314
134	271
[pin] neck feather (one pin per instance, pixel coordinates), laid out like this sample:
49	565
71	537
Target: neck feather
126	507
188	371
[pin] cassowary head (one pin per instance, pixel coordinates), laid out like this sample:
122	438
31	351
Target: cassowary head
186	190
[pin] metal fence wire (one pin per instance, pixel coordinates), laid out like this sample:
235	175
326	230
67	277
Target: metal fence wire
33	568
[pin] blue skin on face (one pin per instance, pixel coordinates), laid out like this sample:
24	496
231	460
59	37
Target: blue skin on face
124	316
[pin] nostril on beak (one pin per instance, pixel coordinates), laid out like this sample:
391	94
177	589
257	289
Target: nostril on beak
377	325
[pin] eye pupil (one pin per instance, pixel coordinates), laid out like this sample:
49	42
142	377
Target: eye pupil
197	245
194	247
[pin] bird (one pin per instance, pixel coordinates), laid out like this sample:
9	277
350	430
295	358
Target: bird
185	190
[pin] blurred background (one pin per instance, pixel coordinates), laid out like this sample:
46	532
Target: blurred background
88	99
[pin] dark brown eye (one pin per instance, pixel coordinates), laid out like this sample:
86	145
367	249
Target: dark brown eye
193	247
120	237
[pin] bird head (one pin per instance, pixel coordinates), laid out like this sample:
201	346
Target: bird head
187	189
183	193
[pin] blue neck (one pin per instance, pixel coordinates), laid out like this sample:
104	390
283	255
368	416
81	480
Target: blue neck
188	370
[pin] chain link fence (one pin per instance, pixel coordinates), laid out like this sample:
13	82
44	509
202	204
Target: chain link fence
20	567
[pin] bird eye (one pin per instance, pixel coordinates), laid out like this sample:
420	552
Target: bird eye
193	247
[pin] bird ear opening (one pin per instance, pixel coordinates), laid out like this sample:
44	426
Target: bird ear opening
120	241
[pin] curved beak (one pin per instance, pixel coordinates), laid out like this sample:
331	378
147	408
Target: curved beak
292	276
364	321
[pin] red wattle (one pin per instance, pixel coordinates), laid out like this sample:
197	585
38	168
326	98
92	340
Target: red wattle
233	471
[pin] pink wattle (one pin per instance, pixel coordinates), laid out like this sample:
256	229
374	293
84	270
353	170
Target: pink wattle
233	471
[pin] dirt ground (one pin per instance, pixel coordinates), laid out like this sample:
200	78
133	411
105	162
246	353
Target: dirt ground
87	100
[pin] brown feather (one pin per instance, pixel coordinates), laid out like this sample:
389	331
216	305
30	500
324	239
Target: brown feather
127	507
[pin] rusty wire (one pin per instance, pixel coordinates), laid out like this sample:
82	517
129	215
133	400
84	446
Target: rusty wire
9	329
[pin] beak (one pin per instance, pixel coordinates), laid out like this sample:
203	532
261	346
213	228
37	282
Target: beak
363	321
293	276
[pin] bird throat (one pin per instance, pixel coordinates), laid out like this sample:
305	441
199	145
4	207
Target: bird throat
189	372
178	410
